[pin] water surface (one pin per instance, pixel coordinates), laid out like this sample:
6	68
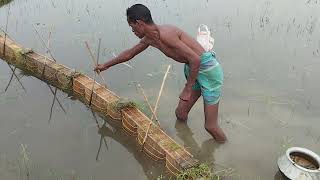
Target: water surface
269	51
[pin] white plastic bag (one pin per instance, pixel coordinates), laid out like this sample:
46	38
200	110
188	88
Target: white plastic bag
204	37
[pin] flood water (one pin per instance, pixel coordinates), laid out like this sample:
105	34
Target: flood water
270	53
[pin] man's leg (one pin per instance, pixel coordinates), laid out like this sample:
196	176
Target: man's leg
211	122
184	107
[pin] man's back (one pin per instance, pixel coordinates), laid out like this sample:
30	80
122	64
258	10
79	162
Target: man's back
169	36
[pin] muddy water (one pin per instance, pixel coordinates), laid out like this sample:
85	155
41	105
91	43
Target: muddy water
270	53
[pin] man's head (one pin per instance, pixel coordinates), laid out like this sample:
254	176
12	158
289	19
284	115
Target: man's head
138	17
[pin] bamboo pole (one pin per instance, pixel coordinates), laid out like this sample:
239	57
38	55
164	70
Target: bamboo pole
94	63
93	83
55	91
44	44
147	101
156	106
161	89
94	72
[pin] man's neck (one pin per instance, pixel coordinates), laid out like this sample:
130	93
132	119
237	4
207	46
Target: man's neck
153	32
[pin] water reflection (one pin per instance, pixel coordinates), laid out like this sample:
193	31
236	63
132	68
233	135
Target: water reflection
113	130
55	98
203	153
13	74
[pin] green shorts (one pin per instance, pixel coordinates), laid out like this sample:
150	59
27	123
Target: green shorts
209	79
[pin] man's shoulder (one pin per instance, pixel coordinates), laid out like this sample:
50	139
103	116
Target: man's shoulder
169	27
170	32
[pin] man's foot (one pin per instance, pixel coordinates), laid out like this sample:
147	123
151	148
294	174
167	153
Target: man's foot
217	134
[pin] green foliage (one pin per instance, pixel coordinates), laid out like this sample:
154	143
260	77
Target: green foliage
122	103
201	171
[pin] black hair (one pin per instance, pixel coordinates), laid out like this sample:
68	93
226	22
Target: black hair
139	12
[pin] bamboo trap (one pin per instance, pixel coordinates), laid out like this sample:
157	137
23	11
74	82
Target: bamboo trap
148	135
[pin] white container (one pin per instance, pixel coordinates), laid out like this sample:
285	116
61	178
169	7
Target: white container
295	168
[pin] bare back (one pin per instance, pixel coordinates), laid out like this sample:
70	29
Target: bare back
169	36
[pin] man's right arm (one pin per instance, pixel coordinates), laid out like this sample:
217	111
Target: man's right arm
123	56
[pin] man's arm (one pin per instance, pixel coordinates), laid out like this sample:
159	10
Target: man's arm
123	56
194	64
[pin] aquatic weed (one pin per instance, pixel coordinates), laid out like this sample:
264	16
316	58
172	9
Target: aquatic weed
122	103
200	171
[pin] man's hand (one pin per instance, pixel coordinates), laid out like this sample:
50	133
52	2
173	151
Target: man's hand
186	93
100	67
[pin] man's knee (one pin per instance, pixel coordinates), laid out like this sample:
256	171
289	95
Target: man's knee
181	115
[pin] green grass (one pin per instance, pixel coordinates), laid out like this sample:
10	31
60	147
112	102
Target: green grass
200	171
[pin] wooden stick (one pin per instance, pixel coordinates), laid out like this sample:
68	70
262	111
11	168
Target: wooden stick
94	72
48	45
55	91
101	138
156	106
161	88
94	63
5	33
57	99
147	101
15	75
94	82
44	44
45	64
51	109
47	51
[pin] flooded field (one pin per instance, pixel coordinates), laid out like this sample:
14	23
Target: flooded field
270	53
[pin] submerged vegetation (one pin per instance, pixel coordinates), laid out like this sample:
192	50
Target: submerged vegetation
205	171
4	2
200	171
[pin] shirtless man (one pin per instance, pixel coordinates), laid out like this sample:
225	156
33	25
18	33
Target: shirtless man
203	72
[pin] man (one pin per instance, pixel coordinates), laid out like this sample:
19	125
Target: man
203	72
